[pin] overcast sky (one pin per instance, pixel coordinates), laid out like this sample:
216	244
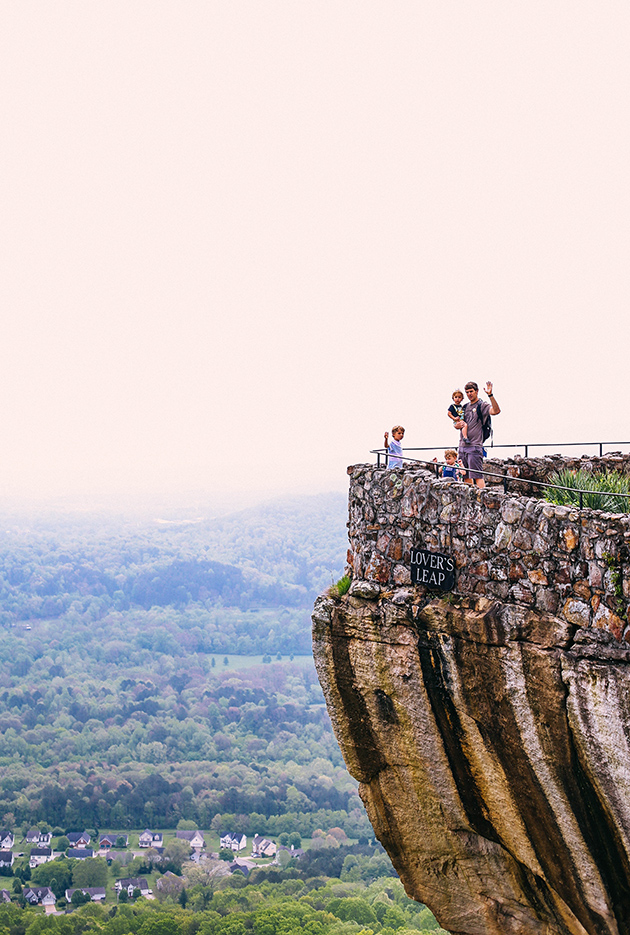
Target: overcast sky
242	239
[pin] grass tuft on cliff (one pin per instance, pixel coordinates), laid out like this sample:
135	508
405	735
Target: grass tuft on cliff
601	491
340	588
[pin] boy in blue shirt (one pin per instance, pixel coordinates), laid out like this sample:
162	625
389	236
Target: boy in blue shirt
394	448
452	466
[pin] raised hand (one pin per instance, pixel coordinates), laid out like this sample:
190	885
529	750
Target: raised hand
489	388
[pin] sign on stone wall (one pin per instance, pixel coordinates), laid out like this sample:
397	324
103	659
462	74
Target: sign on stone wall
432	569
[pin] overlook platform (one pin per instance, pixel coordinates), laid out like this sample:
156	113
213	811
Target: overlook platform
510	545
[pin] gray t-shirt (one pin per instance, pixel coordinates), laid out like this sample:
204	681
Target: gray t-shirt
472	420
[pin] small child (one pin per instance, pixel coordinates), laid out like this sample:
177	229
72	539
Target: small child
456	411
394	448
452	466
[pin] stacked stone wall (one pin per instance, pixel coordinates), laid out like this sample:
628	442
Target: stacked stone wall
542	469
518	549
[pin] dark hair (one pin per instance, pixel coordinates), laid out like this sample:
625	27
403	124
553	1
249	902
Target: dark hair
471	385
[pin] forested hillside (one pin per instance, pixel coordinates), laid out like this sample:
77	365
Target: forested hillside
243	583
105	745
115	706
124	704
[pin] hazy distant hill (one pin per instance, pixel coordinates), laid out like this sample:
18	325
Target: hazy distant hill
243	582
112	669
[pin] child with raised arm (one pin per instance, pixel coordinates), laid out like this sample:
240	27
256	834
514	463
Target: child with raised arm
456	411
394	448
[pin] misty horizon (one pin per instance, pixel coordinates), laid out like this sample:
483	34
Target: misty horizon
243	240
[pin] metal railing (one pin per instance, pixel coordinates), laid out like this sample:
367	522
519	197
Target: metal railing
507	478
491	447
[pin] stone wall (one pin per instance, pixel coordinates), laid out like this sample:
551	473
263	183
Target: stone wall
517	549
541	469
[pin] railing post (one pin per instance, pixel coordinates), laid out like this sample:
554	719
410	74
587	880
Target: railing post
378	459
600	449
526	448
580	499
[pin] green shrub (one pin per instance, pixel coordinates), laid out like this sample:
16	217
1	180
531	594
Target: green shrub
601	491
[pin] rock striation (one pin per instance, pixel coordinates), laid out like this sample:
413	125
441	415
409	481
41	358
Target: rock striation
489	734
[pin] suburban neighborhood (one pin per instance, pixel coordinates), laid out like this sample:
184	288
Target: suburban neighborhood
24	856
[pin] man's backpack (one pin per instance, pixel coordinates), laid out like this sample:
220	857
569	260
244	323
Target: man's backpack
486	423
486	426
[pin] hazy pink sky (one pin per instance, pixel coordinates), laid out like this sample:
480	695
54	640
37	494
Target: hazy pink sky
241	239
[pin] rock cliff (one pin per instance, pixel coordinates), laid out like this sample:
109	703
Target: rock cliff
490	737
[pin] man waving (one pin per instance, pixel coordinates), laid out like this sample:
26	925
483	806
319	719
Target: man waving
476	413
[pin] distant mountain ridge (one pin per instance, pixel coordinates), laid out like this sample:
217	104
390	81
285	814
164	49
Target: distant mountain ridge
263	561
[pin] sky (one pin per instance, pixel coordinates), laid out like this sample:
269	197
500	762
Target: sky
242	238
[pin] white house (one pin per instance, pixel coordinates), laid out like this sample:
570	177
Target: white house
233	841
151	839
35	836
6	858
40	894
194	838
39	855
7	840
96	893
130	884
78	838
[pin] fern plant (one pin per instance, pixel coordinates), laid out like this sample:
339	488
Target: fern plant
600	491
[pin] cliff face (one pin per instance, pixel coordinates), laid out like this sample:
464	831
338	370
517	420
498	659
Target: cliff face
491	739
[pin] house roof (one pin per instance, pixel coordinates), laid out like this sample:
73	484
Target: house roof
112	838
74	836
137	883
188	835
39	891
5	895
80	853
6	857
44	851
293	851
92	891
171	879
